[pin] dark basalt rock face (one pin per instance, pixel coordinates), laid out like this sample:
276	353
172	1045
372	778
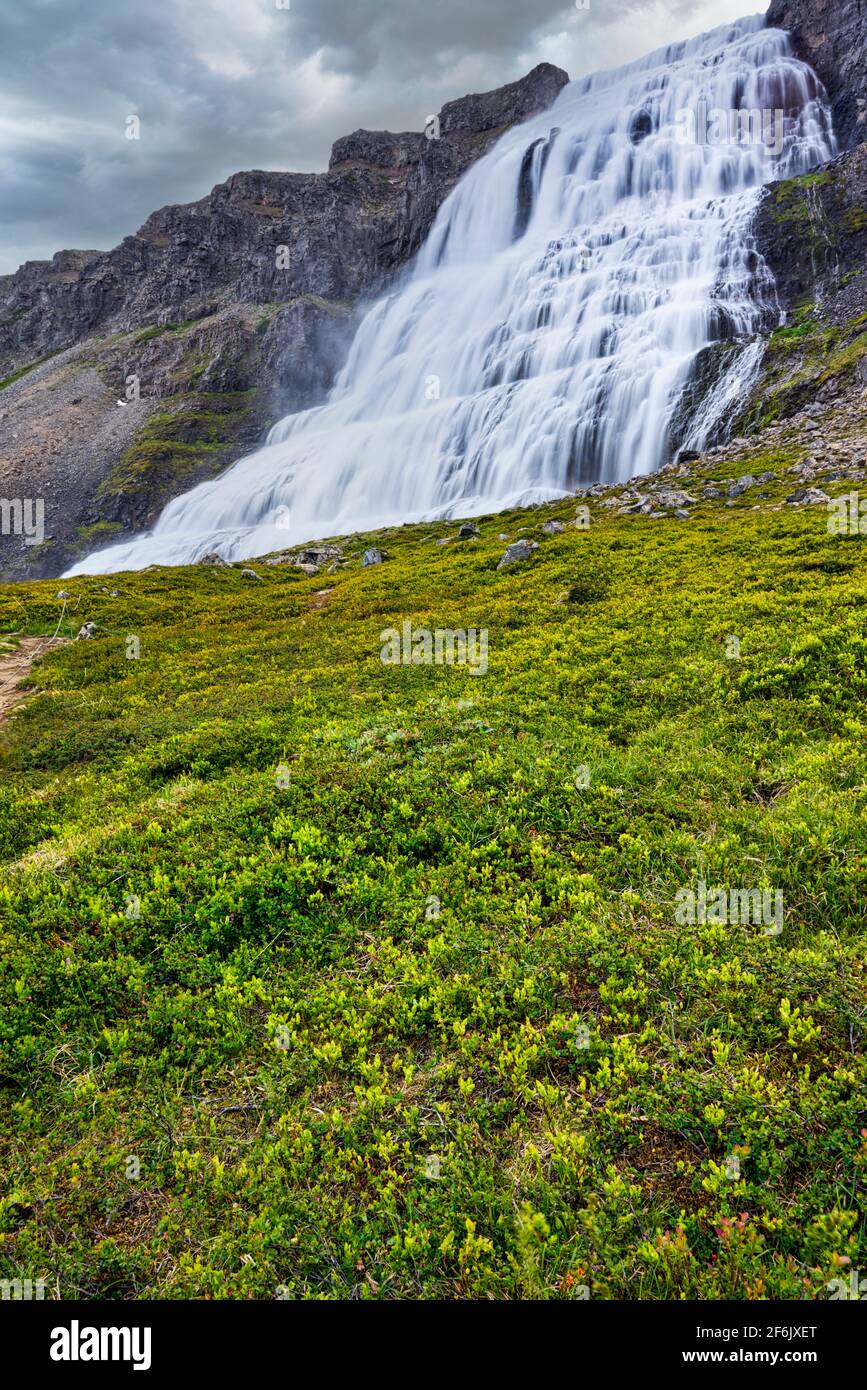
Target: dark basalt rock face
831	35
225	314
641	127
533	164
812	233
345	233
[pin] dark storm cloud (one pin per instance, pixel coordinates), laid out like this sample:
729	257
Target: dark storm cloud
222	85
358	38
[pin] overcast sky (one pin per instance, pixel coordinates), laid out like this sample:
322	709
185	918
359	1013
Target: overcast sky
224	85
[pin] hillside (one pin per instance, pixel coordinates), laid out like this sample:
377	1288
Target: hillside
325	978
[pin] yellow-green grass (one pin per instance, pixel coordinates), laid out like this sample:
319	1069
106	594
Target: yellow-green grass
224	969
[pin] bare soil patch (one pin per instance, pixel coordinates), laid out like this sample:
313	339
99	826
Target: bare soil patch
15	667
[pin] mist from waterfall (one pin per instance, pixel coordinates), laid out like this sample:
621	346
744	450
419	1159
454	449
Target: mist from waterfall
551	323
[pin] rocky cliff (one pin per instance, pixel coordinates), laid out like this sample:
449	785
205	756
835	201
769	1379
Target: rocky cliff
127	376
831	35
812	233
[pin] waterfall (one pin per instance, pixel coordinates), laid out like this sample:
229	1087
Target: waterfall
551	322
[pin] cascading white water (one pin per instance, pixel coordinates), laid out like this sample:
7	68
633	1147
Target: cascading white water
551	322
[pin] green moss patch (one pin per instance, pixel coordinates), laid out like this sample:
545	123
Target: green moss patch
202	429
800	359
157	330
31	367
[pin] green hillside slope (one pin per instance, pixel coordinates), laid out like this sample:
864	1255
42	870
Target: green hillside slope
325	978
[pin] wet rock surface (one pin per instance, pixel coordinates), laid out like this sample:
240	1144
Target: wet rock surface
831	35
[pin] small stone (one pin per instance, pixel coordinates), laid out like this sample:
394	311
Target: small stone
318	555
742	485
213	559
553	528
812	496
671	499
251	574
467	531
374	556
515	554
86	632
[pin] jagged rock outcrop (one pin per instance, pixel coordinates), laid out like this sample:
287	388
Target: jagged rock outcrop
831	35
812	233
127	376
343	234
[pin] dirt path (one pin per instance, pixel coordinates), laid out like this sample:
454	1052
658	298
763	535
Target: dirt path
15	667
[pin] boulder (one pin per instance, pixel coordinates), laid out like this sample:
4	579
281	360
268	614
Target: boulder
811	496
515	554
742	485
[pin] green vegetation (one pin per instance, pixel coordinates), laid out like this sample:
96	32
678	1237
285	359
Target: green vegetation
158	329
331	977
787	189
204	428
98	533
25	371
804	323
800	359
791	197
855	220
